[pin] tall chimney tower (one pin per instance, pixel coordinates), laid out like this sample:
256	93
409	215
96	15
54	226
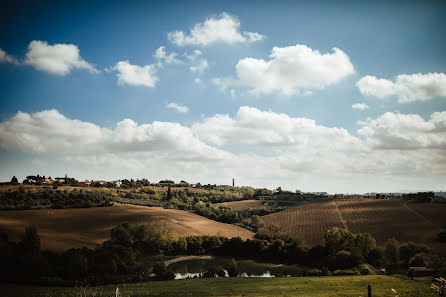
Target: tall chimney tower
233	184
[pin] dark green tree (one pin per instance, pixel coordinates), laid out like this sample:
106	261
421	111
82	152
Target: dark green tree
169	193
392	255
233	268
337	239
14	180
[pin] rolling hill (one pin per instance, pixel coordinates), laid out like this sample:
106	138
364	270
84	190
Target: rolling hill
61	229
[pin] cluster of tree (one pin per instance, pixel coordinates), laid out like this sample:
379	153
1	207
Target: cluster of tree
420	196
248	218
33	180
133	253
39	180
179	198
23	198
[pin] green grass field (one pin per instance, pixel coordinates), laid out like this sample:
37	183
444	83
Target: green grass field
293	286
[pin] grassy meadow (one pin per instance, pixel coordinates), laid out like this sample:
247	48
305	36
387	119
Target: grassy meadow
291	286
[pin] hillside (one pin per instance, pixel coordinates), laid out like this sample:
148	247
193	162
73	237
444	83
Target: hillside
380	217
61	229
307	222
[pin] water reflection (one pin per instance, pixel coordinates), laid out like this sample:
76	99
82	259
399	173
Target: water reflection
201	274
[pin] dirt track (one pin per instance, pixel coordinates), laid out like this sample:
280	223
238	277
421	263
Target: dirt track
61	229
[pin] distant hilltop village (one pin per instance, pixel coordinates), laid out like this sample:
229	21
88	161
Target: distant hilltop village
124	183
131	183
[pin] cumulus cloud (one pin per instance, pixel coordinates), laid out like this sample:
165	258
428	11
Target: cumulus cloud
162	55
290	70
192	57
360	106
135	75
200	67
271	149
51	133
406	131
406	87
58	59
177	107
223	28
5	58
253	127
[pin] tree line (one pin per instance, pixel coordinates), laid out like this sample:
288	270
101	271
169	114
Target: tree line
135	253
22	199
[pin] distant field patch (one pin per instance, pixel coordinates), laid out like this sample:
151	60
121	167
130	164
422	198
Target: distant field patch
61	229
244	204
307	222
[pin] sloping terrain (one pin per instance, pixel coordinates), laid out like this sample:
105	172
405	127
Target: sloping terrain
380	217
433	212
61	229
307	222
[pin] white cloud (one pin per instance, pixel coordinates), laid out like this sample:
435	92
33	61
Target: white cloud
178	107
194	55
408	88
360	106
221	29
161	55
5	58
200	67
290	70
272	150
51	133
58	59
253	127
135	75
406	131
198	81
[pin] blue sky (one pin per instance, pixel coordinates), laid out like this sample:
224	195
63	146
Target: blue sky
311	95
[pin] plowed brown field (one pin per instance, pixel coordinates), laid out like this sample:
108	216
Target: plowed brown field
385	219
308	222
435	213
61	229
382	218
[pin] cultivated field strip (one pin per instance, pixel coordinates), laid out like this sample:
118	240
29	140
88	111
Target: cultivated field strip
244	204
433	212
308	222
385	219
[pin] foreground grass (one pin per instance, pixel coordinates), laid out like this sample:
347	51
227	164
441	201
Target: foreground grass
293	286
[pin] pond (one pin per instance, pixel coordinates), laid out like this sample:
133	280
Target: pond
247	268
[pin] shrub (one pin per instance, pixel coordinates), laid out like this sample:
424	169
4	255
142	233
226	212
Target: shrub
366	269
442	236
376	257
345	272
161	272
314	272
233	268
419	260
